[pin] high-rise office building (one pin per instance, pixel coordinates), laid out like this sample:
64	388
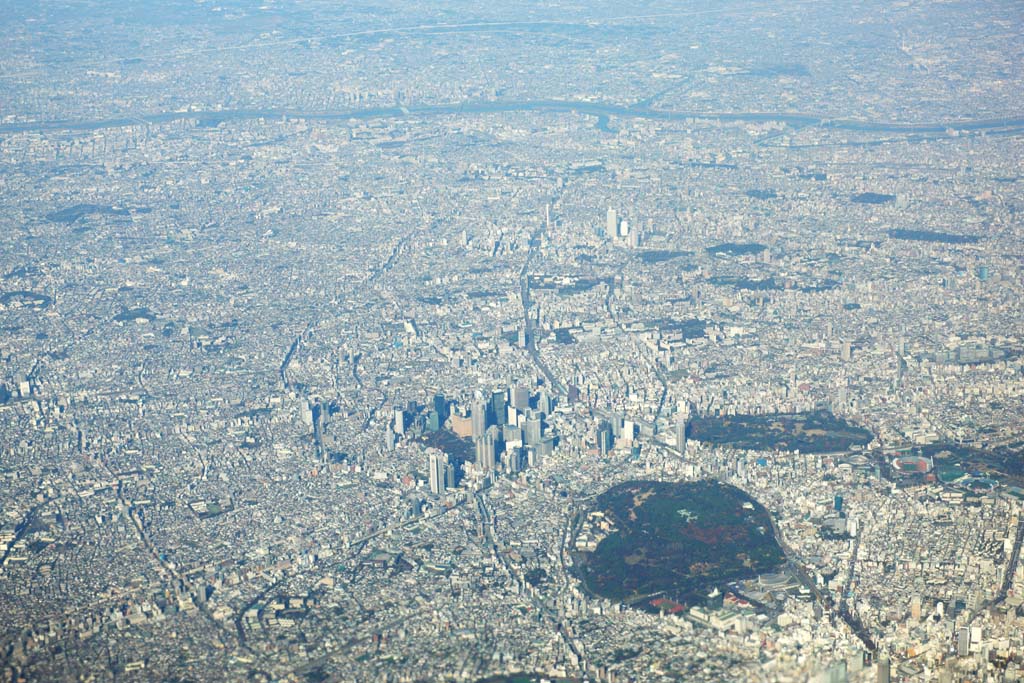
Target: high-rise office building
441	406
532	429
498	406
513	460
612	223
544	402
605	438
681	424
884	674
617	422
520	398
438	465
399	420
478	415
461	425
487	450
963	642
306	411
510	432
628	432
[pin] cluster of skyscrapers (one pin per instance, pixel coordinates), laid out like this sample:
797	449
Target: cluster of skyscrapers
618	228
507	429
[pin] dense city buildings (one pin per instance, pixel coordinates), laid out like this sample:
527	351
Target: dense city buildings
614	342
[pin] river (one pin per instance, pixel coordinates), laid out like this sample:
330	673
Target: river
601	110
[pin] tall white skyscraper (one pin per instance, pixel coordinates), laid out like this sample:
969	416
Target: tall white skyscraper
438	464
532	430
486	450
612	226
478	417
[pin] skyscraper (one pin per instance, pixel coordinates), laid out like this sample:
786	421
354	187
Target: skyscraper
628	432
884	674
532	457
498	400
532	429
544	402
513	460
681	424
487	450
612	224
478	415
399	420
605	438
520	398
510	432
963	642
441	406
438	464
